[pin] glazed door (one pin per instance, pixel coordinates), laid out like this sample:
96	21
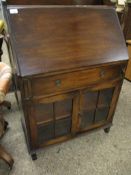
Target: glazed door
94	107
53	117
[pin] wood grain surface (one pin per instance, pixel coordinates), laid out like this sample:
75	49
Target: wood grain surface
47	39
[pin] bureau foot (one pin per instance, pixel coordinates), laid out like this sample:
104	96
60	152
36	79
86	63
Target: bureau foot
34	156
107	130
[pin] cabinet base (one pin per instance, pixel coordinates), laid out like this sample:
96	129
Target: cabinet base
33	154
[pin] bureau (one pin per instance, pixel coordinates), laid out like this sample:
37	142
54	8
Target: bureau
69	69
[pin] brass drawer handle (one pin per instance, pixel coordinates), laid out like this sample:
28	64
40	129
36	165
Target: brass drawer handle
102	73
58	83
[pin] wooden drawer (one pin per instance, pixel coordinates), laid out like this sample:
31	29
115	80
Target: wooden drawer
74	80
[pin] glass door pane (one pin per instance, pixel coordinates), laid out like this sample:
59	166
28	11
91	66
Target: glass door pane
94	107
63	117
88	103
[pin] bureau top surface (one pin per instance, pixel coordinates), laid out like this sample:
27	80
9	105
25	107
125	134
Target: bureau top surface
56	38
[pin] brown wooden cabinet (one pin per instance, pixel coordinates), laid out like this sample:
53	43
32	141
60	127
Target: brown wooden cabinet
70	113
65	111
69	73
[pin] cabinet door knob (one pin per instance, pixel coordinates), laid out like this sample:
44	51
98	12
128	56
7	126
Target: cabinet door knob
102	73
58	82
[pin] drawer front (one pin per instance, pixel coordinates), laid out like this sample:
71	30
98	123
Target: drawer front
73	81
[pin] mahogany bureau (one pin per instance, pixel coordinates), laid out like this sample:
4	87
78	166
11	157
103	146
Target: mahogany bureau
69	63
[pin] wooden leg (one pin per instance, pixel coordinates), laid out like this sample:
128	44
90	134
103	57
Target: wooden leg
1	42
6	39
34	156
107	130
4	155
